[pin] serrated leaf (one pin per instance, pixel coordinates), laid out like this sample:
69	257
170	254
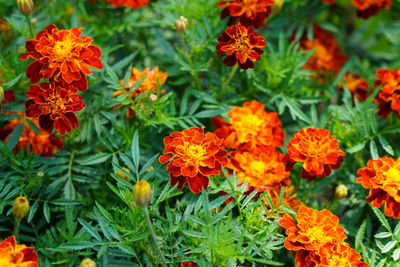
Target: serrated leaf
385	145
383	235
381	218
360	235
46	212
90	229
135	150
94	159
396	254
389	246
15	135
208	113
373	149
32	210
356	148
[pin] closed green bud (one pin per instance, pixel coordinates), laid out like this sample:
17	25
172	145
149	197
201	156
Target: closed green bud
20	208
25	6
142	193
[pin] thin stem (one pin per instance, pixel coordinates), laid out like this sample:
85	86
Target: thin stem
16	229
153	234
28	20
228	80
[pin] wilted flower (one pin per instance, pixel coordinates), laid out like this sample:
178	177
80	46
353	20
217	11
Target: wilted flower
181	24
382	177
25	6
12	254
20	208
317	149
242	45
87	263
62	56
341	191
365	9
248	12
133	4
388	98
195	155
142	193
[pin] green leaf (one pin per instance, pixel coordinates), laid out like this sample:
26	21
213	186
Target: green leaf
94	159
208	113
296	111
78	245
385	145
46	212
135	150
389	246
381	218
360	235
373	149
15	135
90	229
383	235
32	210
356	148
396	254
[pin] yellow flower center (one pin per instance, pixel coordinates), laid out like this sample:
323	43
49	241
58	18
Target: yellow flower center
62	49
196	153
316	234
257	168
241	44
339	261
56	105
391	183
247	125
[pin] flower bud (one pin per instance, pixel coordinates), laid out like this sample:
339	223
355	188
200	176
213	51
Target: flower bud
20	208
1	94
341	191
277	6
181	24
6	32
40	174
153	97
87	263
25	6
142	193
123	175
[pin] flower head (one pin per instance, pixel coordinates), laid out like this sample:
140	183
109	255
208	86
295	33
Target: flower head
317	149
382	177
388	98
13	255
242	45
248	12
54	106
87	263
367	8
133	4
193	155
250	126
357	86
312	229
62	56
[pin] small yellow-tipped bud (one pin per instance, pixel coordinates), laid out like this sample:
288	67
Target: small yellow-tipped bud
142	193
20	208
181	24
153	97
123	175
341	191
25	6
40	174
277	6
1	94
87	263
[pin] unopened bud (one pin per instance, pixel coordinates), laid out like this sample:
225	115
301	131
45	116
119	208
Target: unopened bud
181	24
142	193
40	174
87	263
5	31
20	208
277	6
341	191
123	175
25	6
153	97
1	94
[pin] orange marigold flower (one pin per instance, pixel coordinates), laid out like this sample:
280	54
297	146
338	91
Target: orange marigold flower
357	86
242	45
289	198
54	106
194	156
44	143
250	126
327	58
133	4
263	169
248	12
367	8
312	229
388	98
62	56
335	255
12	254
317	149
382	177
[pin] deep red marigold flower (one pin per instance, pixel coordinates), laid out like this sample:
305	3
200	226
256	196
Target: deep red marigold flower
327	58
357	86
194	155
189	264
62	56
12	254
54	106
365	9
250	126
242	45
335	255
44	143
382	177
317	149
312	229
248	12
133	4
388	98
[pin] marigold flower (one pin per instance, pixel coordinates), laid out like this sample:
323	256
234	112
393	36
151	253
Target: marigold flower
365	9
194	156
357	86
133	4
312	229
54	106
327	58
44	143
250	126
12	254
248	12
317	149
388	98
242	45
62	56
189	264
382	177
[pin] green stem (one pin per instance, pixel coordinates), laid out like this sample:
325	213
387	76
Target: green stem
153	234
228	80
28	20
16	229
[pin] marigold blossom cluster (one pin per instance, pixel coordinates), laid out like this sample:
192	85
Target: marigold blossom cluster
388	98
12	254
64	58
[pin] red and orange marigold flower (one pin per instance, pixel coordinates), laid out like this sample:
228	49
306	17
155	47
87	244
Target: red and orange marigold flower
388	98
368	8
242	45
357	86
193	156
12	254
382	177
54	106
317	149
133	4
62	56
248	12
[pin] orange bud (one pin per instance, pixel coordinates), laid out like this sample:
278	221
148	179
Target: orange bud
25	6
20	208
142	193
